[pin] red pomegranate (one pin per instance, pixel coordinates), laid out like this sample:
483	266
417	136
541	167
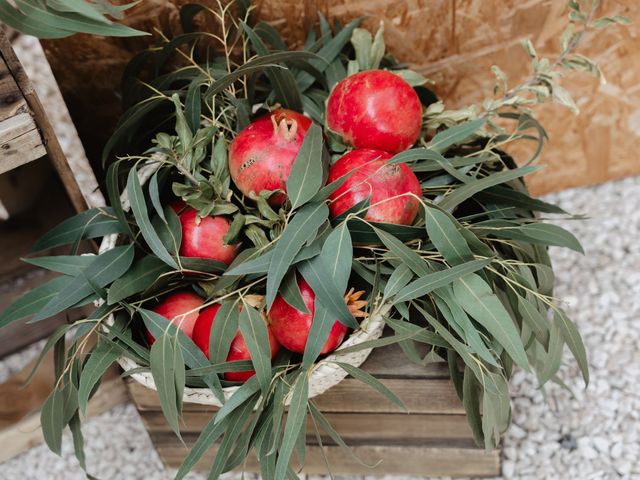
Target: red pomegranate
180	308
372	177
238	349
261	156
206	239
375	109
291	326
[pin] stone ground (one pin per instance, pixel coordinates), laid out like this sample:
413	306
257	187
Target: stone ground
594	434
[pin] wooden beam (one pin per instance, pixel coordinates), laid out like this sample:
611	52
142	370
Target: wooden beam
49	139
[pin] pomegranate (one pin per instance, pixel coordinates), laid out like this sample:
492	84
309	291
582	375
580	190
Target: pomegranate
180	308
291	326
261	156
206	240
371	177
238	349
375	109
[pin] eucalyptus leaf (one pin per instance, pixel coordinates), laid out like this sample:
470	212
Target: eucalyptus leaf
306	176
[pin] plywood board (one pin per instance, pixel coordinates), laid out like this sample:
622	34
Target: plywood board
454	42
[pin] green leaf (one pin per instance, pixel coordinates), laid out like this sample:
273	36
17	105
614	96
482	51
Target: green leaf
169	230
306	175
193	356
406	255
299	231
193	106
373	382
444	233
154	194
93	223
553	358
543	234
336	255
321	326
33	301
254	331
246	391
142	275
318	277
400	277
103	270
139	209
255	65
66	264
460	194
432	281
223	331
112	182
164	376
574	342
100	359
513	198
78	440
536	321
51	421
210	433
471	403
295	421
476	297
291	292
455	135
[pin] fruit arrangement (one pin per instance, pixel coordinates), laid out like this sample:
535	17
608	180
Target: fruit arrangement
271	210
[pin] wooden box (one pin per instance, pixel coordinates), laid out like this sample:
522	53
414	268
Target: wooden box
434	439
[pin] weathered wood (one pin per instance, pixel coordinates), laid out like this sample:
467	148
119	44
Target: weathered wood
26	433
49	139
383	428
405	460
20	141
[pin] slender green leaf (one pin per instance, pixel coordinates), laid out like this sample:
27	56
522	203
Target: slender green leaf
471	403
455	135
444	233
254	331
142	275
306	175
295	421
95	222
139	208
574	342
460	194
291	292
103	270
66	264
33	301
432	281
100	359
327	293
164	376
400	277
51	421
476	297
299	231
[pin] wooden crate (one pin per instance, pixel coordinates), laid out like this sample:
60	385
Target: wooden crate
434	439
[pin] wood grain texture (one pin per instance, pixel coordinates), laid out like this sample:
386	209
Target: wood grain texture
454	42
382	428
394	460
49	139
20	141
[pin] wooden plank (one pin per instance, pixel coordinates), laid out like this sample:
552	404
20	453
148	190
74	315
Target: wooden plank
26	433
20	141
353	427
49	139
396	460
423	389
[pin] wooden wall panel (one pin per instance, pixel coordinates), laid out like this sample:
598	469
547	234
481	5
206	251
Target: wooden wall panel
454	42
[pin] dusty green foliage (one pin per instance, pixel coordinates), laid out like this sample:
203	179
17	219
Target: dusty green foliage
471	278
62	18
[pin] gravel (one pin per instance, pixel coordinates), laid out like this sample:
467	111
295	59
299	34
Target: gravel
590	434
